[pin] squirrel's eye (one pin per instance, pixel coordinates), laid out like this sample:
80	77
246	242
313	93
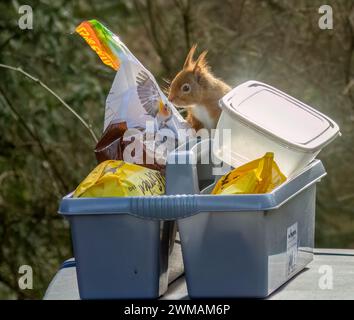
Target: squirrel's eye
186	88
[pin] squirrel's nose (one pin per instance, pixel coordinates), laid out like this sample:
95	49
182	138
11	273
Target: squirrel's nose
171	98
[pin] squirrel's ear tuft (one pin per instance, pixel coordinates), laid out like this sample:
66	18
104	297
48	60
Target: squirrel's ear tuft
201	63
189	60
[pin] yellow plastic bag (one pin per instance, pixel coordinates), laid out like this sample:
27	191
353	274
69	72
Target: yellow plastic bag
259	176
114	178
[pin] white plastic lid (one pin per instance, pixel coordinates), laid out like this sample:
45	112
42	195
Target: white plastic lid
280	116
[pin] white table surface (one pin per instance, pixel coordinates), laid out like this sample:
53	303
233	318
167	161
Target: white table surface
306	285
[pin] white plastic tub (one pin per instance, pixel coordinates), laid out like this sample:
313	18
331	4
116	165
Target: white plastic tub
263	119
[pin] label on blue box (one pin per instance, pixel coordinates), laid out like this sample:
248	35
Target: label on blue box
291	248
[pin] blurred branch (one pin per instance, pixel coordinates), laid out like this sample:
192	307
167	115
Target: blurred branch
349	71
85	124
351	47
276	6
2	45
150	28
185	10
234	19
348	87
157	41
153	23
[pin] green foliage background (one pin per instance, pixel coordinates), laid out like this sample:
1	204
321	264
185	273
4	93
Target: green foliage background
45	151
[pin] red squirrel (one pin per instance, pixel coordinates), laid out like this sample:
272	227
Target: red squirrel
198	90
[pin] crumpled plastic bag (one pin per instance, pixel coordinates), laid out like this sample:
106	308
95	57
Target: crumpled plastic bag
114	178
112	146
259	176
135	96
136	100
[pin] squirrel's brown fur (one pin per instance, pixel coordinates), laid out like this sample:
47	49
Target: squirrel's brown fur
204	92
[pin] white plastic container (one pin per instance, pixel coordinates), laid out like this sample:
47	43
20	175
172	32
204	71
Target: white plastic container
263	119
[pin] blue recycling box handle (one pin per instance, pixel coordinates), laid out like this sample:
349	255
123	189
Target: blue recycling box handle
164	207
